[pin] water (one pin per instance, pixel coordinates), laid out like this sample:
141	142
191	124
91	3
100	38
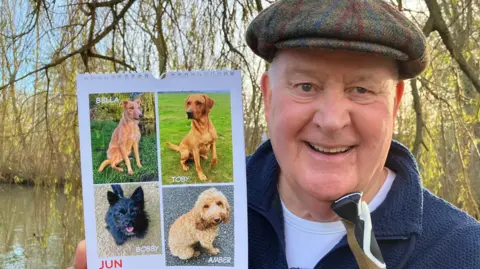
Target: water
39	227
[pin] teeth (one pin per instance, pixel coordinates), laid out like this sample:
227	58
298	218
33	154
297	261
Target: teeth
331	150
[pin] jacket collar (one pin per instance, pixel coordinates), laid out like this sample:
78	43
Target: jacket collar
398	217
401	214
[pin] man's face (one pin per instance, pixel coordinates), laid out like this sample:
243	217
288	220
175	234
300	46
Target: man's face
330	117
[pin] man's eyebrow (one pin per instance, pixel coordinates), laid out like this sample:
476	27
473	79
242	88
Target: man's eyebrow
295	69
369	77
300	69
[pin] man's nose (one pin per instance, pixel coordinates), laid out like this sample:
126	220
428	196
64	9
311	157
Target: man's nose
333	112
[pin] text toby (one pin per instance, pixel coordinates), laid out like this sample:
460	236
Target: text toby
180	179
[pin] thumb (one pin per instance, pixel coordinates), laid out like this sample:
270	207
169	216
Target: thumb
80	260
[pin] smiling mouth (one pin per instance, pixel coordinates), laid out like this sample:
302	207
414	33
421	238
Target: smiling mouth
329	151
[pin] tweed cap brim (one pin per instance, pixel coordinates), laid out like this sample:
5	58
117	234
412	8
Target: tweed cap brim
370	26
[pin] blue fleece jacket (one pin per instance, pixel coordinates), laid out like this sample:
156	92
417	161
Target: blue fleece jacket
414	228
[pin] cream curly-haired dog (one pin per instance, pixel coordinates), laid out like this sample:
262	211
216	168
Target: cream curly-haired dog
200	224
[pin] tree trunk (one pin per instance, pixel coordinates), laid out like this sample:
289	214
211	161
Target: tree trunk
160	39
418	117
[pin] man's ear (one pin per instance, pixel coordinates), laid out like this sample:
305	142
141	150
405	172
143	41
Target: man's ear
267	94
399	89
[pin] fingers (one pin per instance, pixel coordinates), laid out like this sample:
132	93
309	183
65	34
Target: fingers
80	260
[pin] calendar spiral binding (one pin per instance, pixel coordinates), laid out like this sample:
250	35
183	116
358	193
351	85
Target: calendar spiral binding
119	75
148	75
205	73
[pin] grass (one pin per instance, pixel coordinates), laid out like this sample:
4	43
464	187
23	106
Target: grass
174	125
101	133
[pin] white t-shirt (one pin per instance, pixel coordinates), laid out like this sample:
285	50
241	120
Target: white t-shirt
308	241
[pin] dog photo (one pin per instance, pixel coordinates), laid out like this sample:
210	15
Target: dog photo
126	216
199	226
195	137
124	137
128	219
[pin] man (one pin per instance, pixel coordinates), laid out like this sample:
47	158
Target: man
331	94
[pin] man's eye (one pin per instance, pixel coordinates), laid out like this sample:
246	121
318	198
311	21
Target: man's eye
361	90
306	87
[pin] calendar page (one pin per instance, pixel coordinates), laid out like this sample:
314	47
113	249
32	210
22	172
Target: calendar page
163	170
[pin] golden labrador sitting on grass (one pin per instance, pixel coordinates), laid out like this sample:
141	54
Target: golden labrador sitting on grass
202	136
125	137
200	224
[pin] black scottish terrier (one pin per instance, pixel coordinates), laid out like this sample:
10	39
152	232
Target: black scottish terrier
126	217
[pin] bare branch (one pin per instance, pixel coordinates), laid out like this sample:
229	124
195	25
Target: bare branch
451	109
93	5
112	59
441	27
429	26
82	49
259	5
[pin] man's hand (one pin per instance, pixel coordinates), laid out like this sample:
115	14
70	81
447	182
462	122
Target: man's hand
80	261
